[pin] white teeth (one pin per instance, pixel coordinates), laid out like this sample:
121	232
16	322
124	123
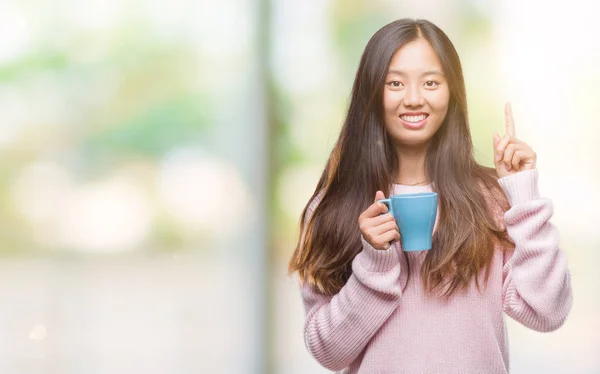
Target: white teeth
413	118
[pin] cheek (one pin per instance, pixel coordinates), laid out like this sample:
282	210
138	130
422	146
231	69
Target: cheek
440	101
391	101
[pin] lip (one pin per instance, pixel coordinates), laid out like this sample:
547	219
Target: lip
414	113
414	125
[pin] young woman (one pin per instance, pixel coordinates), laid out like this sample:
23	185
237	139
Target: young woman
370	306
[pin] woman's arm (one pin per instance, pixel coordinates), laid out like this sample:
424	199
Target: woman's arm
537	283
338	328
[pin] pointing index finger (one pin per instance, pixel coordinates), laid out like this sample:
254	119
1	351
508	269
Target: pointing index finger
510	123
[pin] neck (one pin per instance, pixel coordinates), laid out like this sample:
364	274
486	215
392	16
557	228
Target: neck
411	166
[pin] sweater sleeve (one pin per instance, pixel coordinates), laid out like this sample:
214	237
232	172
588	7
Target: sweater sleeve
337	328
536	280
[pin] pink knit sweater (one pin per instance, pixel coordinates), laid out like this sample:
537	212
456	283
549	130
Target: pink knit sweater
372	326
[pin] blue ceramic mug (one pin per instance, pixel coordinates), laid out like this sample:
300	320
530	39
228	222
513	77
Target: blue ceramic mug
415	217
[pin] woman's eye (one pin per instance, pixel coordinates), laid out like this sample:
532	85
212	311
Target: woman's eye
431	84
395	84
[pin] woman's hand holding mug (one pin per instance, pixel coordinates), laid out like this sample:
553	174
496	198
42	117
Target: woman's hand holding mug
377	226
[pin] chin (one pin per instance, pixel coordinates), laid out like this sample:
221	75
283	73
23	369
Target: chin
414	143
414	140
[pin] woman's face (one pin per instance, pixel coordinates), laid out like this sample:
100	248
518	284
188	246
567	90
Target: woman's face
416	94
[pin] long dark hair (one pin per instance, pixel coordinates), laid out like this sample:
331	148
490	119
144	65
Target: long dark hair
364	160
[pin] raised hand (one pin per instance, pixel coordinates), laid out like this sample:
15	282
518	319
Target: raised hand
511	155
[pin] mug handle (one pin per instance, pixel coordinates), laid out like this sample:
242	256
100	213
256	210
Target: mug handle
388	203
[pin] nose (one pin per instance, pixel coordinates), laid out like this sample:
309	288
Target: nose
413	97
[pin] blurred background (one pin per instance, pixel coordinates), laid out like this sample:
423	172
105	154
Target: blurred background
155	157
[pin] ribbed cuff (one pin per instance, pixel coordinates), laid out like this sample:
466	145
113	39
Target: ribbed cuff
520	187
376	260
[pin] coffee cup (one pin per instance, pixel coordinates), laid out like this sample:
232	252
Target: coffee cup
415	216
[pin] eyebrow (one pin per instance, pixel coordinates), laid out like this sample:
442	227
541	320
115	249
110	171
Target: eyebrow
429	72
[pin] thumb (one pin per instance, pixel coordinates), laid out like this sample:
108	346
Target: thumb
379	196
496	140
497	156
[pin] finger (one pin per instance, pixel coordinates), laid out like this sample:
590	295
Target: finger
380	196
500	148
379	220
496	139
376	208
516	160
389	237
509	121
373	210
383	228
526	155
508	155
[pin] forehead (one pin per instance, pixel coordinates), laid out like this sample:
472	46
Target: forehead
416	56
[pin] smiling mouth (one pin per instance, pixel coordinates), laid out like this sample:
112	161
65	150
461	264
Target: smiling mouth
414	122
412	118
